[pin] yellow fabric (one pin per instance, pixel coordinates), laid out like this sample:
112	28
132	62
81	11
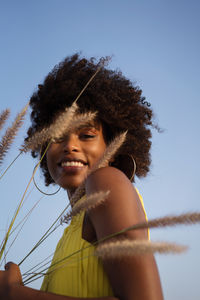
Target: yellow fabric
81	274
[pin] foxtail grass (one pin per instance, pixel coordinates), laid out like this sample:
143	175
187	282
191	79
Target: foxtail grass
185	219
3	117
11	133
125	248
111	151
86	204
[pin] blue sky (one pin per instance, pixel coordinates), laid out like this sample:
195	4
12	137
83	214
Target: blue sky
156	44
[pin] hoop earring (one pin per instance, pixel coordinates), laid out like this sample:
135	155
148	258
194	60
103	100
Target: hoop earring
47	194
134	167
122	162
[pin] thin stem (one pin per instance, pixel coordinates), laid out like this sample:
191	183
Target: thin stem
10	165
24	275
24	220
165	221
43	237
20	204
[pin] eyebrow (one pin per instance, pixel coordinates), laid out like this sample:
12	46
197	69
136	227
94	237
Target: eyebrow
89	125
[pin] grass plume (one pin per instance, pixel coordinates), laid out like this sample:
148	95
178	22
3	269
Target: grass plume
10	133
186	219
66	122
111	150
123	248
3	117
86	204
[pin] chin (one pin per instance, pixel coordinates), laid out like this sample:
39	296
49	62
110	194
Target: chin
71	185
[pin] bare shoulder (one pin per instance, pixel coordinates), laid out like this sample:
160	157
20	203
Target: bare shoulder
121	209
108	177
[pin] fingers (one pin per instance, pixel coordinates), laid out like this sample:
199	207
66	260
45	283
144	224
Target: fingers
11	266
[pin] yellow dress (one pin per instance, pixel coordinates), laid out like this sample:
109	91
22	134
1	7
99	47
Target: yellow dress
79	273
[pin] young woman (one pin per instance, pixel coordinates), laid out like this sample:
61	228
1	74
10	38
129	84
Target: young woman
120	107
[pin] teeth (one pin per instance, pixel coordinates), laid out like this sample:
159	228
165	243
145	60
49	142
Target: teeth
72	164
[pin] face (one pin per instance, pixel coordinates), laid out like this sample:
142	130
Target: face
70	159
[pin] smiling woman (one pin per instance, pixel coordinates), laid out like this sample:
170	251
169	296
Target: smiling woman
88	160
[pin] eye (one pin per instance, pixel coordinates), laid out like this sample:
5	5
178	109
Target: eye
87	136
58	140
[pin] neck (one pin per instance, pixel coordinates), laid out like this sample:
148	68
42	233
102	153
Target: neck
76	194
70	193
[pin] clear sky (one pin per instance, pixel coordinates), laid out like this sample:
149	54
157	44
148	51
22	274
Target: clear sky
156	44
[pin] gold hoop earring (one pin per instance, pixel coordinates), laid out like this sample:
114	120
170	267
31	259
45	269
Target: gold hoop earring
122	162
47	194
134	167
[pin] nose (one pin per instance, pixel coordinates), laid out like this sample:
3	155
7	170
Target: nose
71	144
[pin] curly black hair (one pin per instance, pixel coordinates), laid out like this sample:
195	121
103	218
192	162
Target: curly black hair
119	103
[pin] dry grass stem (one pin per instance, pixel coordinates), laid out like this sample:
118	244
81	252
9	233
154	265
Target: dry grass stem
111	150
124	248
80	192
79	121
4	172
3	245
11	133
3	117
65	123
62	122
34	143
187	219
86	204
52	132
46	234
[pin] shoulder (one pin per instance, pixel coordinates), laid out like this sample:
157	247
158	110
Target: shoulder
121	209
108	177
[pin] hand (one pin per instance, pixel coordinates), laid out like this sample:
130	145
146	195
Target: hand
11	276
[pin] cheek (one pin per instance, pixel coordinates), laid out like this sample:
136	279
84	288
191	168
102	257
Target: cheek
97	151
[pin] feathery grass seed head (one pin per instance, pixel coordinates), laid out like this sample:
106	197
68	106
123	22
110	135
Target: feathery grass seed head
11	132
3	117
124	248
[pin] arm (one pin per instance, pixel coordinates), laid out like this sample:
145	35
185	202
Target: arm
11	288
131	278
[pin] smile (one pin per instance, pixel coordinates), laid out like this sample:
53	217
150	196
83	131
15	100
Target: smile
72	164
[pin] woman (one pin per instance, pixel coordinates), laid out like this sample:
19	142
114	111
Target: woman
69	162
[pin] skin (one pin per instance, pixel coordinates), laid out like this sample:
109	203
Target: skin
131	278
